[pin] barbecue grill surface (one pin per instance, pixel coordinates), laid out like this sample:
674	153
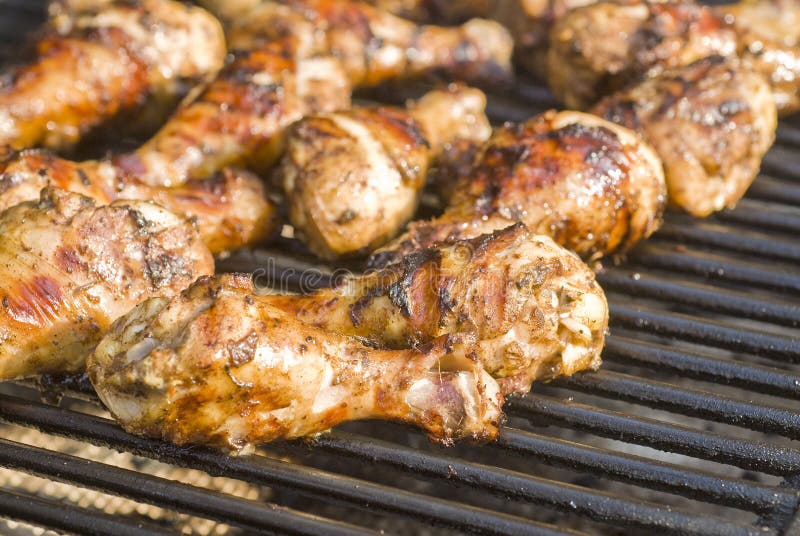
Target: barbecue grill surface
690	427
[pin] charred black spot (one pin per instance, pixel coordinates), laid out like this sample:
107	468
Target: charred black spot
411	264
83	178
244	350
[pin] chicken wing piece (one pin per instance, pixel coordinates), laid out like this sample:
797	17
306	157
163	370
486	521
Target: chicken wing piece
591	185
710	122
220	366
240	118
231	207
769	43
70	268
99	59
598	49
373	45
353	178
534	308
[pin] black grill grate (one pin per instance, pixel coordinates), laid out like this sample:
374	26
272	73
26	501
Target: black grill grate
690	427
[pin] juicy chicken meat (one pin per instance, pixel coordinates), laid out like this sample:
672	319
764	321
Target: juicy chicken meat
70	268
373	45
534	308
598	49
231	207
769	43
239	118
99	59
589	184
220	366
353	178
710	122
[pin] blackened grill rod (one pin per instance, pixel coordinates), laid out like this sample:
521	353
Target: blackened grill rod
752	213
747	454
62	517
757	378
269	472
689	402
775	189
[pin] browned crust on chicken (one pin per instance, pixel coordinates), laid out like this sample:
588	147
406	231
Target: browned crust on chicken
240	117
710	122
590	185
353	178
231	207
220	366
598	49
70	268
92	64
535	309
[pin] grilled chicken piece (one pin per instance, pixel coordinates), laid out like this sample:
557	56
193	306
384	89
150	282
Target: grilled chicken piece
534	308
592	186
373	45
710	122
99	59
598	49
231	207
353	178
769	43
240	118
70	268
220	366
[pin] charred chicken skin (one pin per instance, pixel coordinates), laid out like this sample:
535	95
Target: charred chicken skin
71	268
534	308
231	207
352	178
220	366
102	58
373	45
710	122
589	184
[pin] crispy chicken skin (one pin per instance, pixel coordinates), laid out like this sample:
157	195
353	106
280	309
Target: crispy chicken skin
710	122
240	118
71	268
598	49
352	178
96	60
769	43
220	366
534	308
592	186
231	207
373	45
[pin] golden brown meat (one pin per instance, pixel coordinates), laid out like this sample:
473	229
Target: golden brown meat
710	122
769	43
534	308
373	45
231	207
240	118
102	59
70	268
352	178
220	366
589	184
598	49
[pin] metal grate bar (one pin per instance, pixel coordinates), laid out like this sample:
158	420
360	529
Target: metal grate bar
648	472
754	213
269	472
752	455
690	402
167	493
702	296
59	516
680	259
717	236
597	505
708	332
754	377
787	134
782	161
774	189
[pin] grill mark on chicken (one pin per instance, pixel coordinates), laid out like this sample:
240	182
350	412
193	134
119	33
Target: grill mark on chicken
36	301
